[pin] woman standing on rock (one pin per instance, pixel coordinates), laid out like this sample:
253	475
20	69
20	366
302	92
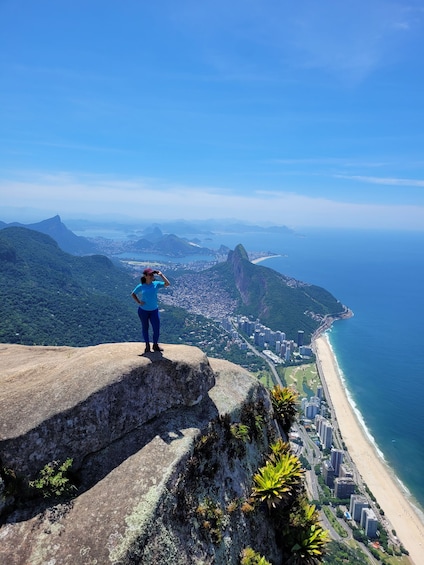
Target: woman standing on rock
148	310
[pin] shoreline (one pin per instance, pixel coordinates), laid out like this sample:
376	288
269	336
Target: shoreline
385	486
264	258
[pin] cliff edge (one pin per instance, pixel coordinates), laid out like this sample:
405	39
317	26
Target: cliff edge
161	473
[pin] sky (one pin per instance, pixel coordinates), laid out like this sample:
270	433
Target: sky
276	112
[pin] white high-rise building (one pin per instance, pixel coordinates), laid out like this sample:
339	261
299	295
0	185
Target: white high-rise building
327	436
369	522
311	410
318	424
357	503
345	471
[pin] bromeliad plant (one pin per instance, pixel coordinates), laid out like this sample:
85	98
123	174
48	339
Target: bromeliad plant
309	547
278	449
278	480
304	535
240	432
284	401
251	557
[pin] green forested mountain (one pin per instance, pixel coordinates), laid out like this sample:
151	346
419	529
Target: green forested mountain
280	302
66	239
52	298
49	297
154	241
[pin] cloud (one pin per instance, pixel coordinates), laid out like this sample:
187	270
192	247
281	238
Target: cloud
383	180
94	195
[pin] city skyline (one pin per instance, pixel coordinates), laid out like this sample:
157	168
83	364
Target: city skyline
302	115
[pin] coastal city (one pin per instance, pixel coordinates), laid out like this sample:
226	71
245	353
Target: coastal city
348	508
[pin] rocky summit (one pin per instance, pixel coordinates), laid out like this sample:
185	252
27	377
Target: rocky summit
158	475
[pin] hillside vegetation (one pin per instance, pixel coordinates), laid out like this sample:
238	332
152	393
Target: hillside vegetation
280	302
52	298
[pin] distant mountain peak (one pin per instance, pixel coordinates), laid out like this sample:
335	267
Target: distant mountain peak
241	252
64	237
280	302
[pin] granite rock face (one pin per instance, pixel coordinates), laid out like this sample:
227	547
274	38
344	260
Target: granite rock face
76	401
160	476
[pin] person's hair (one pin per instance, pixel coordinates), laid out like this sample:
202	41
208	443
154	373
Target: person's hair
143	279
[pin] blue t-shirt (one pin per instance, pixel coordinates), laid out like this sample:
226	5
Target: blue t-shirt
149	294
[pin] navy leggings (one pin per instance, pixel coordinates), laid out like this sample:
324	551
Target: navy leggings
151	316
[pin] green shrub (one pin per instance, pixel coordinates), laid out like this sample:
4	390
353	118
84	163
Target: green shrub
250	557
54	480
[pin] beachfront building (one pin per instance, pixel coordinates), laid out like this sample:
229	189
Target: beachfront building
328	473
343	488
336	460
311	410
357	503
345	471
323	426
327	436
305	351
369	522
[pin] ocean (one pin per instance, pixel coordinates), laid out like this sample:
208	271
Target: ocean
379	276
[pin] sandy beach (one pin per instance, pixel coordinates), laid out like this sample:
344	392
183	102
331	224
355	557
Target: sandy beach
376	474
260	259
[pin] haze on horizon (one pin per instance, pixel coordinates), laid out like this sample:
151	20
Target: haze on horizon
302	114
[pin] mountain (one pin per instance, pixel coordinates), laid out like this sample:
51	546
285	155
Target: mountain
170	245
66	239
50	297
280	302
53	298
154	241
178	227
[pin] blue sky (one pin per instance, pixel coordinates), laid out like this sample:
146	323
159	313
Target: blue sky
299	113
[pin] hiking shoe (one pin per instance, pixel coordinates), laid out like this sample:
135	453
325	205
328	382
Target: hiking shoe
156	347
147	350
